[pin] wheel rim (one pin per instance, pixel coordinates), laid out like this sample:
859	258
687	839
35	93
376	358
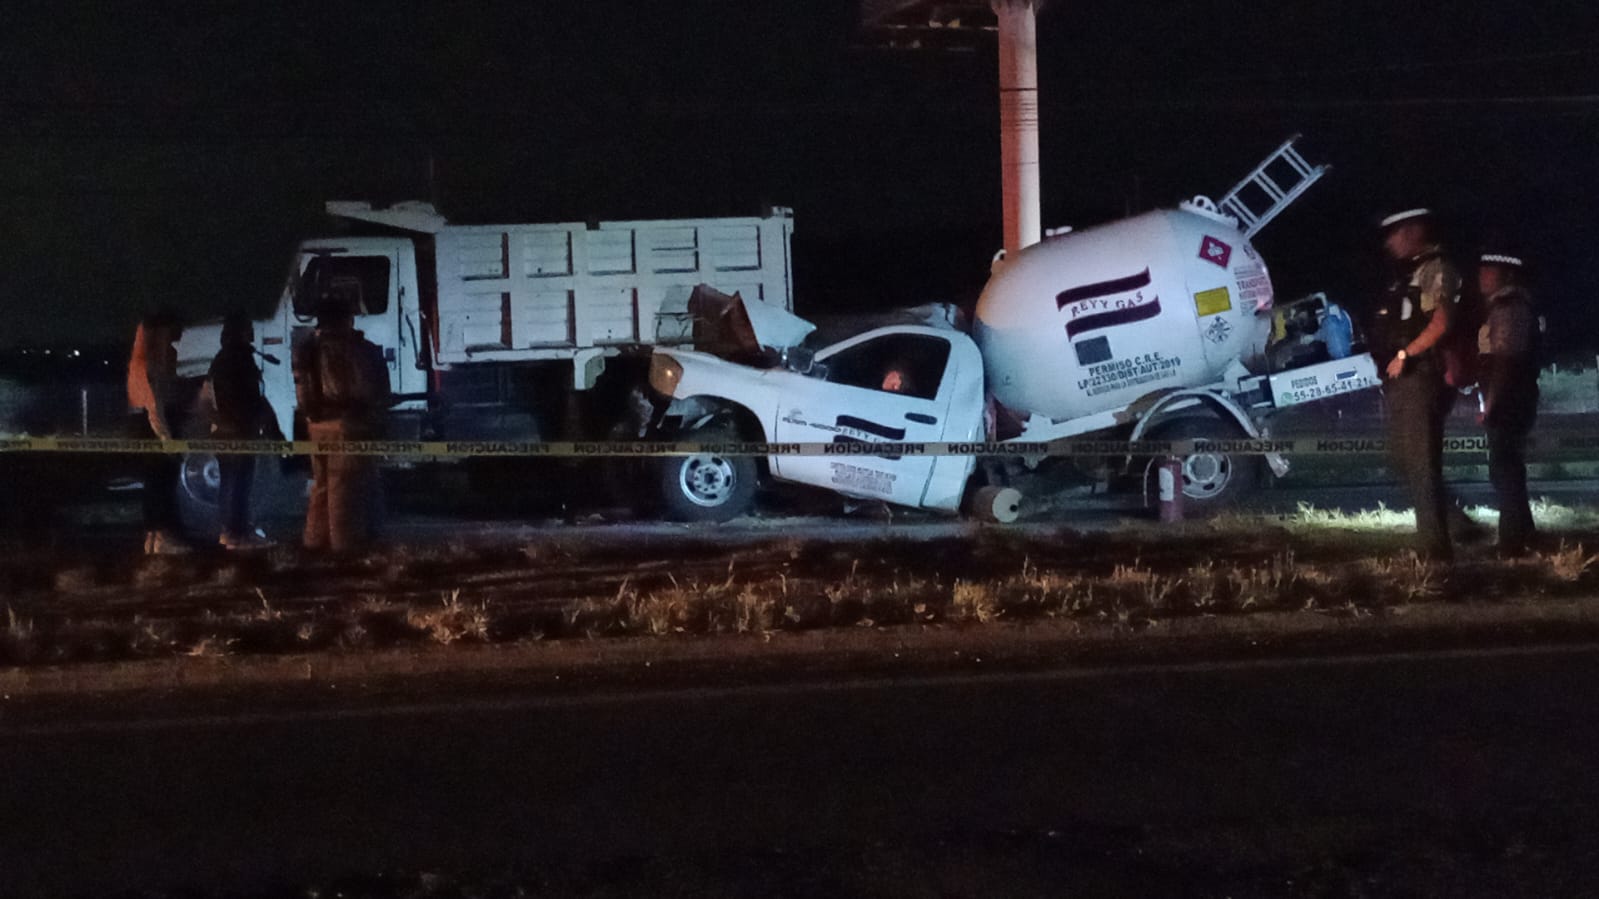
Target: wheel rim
1206	475
707	481
201	478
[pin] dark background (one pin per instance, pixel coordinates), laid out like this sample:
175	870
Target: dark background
170	154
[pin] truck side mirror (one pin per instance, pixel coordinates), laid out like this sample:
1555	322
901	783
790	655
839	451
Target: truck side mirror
799	359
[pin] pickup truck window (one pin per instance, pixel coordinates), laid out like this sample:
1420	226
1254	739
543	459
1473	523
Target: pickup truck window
909	364
360	282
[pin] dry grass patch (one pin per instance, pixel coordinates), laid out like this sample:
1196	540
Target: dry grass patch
17	627
659	611
154	637
158	571
1568	565
450	621
1313	560
974	601
75	580
1405	578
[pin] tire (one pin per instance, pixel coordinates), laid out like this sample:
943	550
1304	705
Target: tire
707	487
199	481
1211	481
277	497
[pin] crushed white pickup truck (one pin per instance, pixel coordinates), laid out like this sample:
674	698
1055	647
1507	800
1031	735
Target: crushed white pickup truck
1155	327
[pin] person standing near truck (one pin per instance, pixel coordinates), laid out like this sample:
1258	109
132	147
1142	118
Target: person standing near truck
155	414
341	383
1408	328
242	413
1507	344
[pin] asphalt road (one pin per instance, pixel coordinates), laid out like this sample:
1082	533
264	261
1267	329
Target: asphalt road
162	793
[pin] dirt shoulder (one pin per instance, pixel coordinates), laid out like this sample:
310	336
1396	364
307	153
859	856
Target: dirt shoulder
723	660
560	610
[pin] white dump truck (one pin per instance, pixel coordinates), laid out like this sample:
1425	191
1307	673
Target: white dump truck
1150	327
495	332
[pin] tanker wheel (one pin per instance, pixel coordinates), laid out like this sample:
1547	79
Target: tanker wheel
707	486
1211	481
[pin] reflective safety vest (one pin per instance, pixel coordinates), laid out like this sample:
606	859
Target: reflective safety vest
1399	319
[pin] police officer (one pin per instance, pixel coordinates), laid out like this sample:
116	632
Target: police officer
1507	344
341	383
1407	331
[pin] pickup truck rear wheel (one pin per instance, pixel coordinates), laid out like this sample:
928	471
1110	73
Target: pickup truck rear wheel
1211	481
708	486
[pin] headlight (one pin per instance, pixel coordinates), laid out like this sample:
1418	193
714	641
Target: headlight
665	374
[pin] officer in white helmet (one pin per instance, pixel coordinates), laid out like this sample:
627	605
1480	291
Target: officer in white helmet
1507	345
1407	338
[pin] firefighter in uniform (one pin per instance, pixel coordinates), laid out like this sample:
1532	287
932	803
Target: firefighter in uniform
1507	345
341	383
1410	323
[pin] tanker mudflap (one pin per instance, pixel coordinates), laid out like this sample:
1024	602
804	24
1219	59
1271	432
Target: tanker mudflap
1277	463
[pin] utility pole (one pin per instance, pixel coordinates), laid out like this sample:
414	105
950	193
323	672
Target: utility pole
1018	122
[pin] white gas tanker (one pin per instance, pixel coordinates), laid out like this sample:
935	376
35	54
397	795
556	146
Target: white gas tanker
1096	319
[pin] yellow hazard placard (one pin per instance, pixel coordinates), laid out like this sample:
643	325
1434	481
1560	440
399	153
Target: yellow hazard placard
1210	302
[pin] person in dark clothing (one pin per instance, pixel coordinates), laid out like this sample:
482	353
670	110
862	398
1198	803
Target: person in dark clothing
156	412
341	383
1507	345
242	413
1407	329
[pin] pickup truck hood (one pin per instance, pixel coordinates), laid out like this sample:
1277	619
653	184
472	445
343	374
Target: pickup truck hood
737	327
775	326
708	373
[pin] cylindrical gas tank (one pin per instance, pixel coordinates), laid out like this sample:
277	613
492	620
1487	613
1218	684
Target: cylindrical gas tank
1092	320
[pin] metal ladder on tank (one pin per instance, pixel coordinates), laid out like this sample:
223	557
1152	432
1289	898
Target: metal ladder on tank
1279	195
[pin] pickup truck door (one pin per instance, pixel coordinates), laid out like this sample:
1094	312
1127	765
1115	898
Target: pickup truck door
876	388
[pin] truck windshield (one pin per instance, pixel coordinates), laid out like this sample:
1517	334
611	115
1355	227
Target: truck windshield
359	282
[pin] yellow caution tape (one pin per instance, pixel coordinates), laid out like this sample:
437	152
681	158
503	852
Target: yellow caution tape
447	449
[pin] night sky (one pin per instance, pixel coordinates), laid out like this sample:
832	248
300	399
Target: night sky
170	154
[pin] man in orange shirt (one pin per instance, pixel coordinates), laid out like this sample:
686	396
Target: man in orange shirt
154	405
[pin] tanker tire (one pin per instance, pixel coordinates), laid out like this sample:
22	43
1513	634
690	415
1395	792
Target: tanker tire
1212	482
707	487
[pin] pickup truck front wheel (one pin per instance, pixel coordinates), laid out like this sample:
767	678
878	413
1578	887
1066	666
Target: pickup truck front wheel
708	486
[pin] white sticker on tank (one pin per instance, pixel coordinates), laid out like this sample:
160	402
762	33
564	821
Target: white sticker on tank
1254	288
1142	369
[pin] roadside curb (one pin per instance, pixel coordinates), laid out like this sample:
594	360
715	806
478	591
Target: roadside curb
880	651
